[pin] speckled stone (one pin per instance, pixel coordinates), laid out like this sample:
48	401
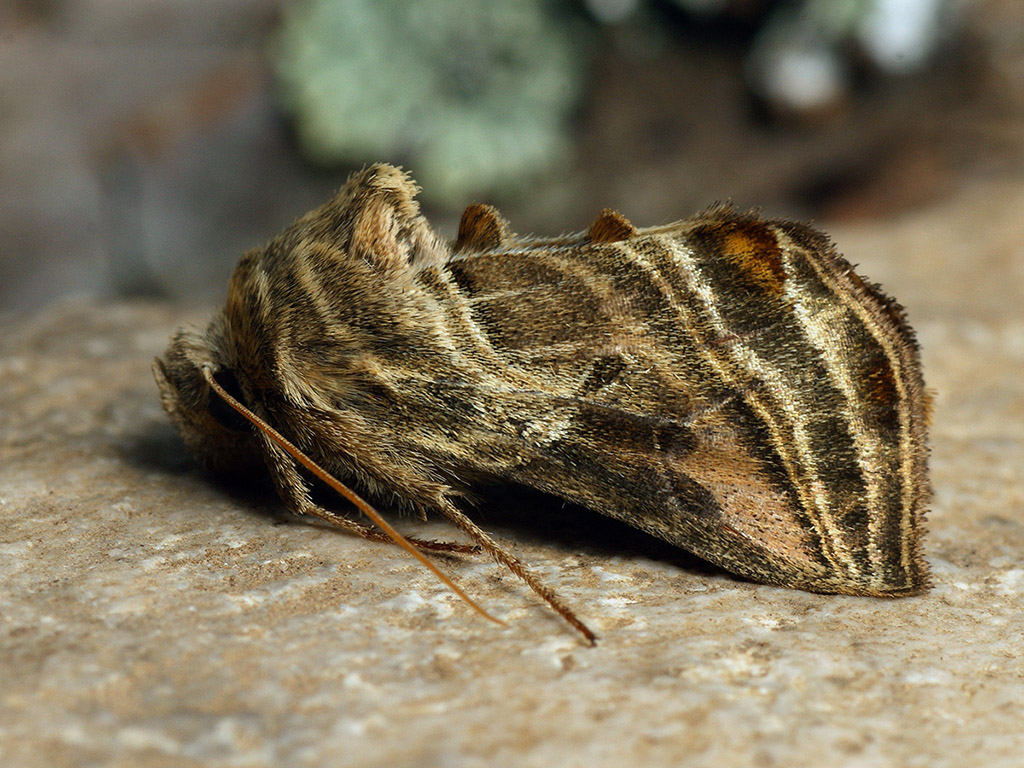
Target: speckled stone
150	615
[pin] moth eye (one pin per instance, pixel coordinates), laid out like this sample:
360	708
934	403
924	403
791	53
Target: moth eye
223	413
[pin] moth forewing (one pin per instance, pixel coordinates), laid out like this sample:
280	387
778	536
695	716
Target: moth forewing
725	383
722	383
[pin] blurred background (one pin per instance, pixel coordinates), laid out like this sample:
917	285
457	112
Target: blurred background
144	144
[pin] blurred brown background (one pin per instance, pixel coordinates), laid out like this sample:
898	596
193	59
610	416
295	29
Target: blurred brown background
144	144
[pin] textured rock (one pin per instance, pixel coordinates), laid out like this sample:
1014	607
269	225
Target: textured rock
153	616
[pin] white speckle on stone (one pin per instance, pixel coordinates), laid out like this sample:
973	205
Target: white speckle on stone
124	507
552	651
131	605
73	733
1011	582
15	365
15	549
618	605
928	676
152	563
408	601
248	599
350	726
606	575
768	622
353	680
138	738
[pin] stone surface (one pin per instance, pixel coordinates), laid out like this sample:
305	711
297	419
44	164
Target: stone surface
150	615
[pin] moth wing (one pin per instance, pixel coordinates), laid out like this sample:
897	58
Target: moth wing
693	479
725	383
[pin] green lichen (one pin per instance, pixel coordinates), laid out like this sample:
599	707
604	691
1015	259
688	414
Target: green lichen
474	95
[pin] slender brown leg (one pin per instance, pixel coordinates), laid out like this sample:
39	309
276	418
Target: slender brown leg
518	567
294	491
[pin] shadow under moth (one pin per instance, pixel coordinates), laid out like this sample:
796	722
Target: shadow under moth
725	383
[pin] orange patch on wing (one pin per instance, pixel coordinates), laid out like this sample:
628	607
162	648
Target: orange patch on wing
754	250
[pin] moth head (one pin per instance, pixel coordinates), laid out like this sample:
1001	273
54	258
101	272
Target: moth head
214	431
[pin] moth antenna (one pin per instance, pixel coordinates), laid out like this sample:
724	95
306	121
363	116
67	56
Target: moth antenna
343	490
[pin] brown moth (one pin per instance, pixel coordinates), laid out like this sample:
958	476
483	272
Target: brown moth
725	383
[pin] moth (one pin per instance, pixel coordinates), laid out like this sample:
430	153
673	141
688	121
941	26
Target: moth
725	383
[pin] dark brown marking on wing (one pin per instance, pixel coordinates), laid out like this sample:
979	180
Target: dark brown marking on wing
878	387
673	438
609	227
631	433
603	372
630	281
511	322
686	493
484	274
645	276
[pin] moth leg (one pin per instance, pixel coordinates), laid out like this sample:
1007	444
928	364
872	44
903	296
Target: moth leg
517	566
375	534
294	492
